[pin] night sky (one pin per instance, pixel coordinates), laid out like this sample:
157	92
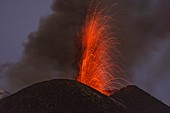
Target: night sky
17	19
144	29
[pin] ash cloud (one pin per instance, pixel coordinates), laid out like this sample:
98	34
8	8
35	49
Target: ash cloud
49	52
145	33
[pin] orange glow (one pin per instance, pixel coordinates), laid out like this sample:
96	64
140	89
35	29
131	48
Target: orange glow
98	68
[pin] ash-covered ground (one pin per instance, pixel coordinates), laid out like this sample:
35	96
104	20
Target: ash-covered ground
68	96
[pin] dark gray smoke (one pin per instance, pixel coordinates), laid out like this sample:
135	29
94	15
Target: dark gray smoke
50	51
145	33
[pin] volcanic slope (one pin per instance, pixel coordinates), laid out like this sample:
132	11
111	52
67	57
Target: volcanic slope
59	96
138	101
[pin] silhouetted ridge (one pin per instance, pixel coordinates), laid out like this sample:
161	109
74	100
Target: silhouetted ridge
138	101
59	96
69	96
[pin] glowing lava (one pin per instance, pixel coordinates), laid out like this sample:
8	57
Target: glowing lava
98	68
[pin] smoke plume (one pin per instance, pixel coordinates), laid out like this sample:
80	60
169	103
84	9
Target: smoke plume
145	33
49	52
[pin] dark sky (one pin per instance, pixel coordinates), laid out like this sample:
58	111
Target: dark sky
144	29
17	19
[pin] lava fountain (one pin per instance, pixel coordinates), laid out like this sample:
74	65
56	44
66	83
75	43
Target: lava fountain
98	68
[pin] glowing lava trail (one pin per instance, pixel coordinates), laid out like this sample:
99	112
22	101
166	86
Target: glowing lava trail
98	68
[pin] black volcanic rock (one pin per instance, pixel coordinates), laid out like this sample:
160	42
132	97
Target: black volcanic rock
138	101
59	96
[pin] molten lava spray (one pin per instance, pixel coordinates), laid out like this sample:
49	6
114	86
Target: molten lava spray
98	68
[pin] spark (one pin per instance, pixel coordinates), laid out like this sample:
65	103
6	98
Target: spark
98	69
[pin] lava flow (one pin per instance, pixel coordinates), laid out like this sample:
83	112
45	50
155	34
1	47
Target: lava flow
98	68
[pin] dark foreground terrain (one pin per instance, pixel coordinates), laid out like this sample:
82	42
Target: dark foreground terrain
138	101
59	96
68	96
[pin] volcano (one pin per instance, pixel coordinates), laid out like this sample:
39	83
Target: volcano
59	96
69	96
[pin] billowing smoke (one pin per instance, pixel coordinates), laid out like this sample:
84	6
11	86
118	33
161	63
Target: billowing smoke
145	30
50	51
